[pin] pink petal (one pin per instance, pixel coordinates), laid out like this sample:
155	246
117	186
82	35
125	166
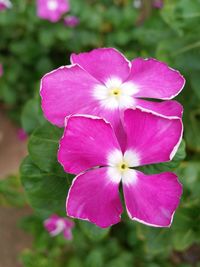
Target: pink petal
67	90
51	223
153	137
152	199
93	196
86	143
169	108
103	63
115	117
69	223
155	79
71	21
67	233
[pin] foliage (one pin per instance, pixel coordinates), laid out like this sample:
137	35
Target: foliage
11	193
30	47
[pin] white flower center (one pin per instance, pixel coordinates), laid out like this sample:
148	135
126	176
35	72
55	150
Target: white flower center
115	94
119	166
52	5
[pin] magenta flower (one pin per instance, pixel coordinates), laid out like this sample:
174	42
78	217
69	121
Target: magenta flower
52	10
5	4
104	83
56	225
71	21
158	4
1	70
89	149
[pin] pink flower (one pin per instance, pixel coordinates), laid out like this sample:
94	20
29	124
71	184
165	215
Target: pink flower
71	21
5	4
52	10
55	225
89	149
1	70
104	83
158	4
22	135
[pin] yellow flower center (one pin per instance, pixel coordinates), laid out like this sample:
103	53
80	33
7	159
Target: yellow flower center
116	91
123	166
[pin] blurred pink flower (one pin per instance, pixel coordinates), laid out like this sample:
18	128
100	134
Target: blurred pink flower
56	225
22	135
4	4
158	3
1	70
52	10
71	21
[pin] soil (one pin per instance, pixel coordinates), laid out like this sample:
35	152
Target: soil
12	239
12	150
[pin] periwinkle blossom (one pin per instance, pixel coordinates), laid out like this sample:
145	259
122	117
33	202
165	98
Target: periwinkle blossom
56	225
5	4
104	83
52	10
71	21
89	149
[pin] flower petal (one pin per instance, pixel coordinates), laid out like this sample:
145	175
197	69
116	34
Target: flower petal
67	90
51	223
86	143
103	64
153	137
67	233
93	196
155	79
152	199
168	108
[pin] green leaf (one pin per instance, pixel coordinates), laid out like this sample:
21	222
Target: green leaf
74	262
189	172
43	147
183	240
195	83
11	192
93	232
31	115
123	260
157	240
94	259
192	119
46	191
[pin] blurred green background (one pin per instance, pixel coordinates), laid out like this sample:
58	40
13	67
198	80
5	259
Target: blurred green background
30	47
